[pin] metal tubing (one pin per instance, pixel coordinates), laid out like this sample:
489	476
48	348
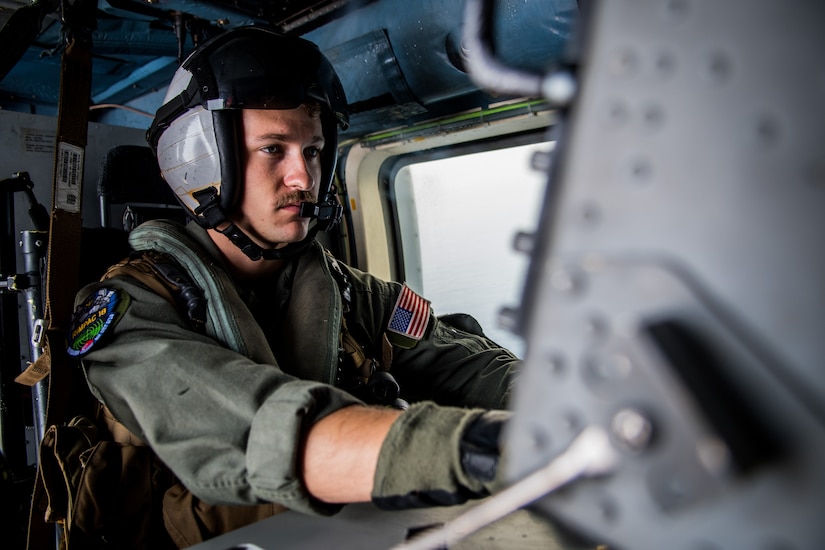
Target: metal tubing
34	254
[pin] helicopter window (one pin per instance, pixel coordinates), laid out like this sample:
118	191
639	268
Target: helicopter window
457	218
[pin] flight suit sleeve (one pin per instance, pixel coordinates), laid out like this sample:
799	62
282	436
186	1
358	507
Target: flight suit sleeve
453	364
228	427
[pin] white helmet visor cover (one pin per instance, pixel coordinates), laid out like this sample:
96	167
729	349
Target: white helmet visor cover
188	159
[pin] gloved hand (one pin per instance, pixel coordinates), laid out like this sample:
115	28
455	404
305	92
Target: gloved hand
438	456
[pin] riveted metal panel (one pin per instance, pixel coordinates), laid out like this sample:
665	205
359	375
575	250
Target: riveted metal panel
680	284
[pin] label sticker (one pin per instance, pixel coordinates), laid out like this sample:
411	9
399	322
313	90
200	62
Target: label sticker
95	318
69	177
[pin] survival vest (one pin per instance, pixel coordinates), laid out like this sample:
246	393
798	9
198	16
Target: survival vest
104	486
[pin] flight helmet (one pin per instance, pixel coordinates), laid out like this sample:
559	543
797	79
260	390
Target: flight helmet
196	134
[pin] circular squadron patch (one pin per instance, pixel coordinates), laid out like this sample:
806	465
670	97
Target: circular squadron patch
94	318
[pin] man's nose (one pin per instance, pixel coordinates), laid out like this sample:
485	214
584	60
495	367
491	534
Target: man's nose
298	174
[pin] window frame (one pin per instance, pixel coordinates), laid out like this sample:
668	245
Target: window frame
392	165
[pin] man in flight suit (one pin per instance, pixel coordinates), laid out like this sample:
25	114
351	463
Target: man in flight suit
251	361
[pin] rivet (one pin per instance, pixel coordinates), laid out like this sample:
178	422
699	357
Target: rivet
765	130
571	421
608	510
665	64
565	281
676	489
556	364
632	429
623	62
615	113
718	67
640	169
590	214
596	326
653	117
538	437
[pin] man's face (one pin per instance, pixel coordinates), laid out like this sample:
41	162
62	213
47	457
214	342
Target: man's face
282	150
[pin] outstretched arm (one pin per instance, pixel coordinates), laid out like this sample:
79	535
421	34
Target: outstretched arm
424	456
341	451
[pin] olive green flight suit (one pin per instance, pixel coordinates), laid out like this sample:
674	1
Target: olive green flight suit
226	410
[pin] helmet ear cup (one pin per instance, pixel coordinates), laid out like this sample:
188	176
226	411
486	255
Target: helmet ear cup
188	158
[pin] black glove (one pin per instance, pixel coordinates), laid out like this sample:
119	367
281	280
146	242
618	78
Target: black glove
438	456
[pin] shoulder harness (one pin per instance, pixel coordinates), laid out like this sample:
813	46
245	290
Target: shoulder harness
162	274
366	377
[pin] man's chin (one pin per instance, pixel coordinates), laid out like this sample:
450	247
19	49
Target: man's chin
289	239
283	234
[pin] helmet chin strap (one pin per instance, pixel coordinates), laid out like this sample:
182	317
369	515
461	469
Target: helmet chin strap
328	212
256	252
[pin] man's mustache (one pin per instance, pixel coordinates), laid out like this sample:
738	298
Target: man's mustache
296	197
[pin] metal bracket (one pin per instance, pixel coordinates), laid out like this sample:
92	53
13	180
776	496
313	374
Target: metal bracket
38	330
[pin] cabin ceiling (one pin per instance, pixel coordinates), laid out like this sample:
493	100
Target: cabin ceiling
399	61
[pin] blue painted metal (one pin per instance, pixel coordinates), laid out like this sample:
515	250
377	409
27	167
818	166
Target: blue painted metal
399	61
136	76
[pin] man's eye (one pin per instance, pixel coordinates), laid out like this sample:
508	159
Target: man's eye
271	149
312	152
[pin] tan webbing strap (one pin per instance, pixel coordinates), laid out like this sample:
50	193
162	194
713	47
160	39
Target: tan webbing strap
64	232
63	262
64	248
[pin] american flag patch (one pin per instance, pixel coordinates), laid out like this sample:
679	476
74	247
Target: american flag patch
410	316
